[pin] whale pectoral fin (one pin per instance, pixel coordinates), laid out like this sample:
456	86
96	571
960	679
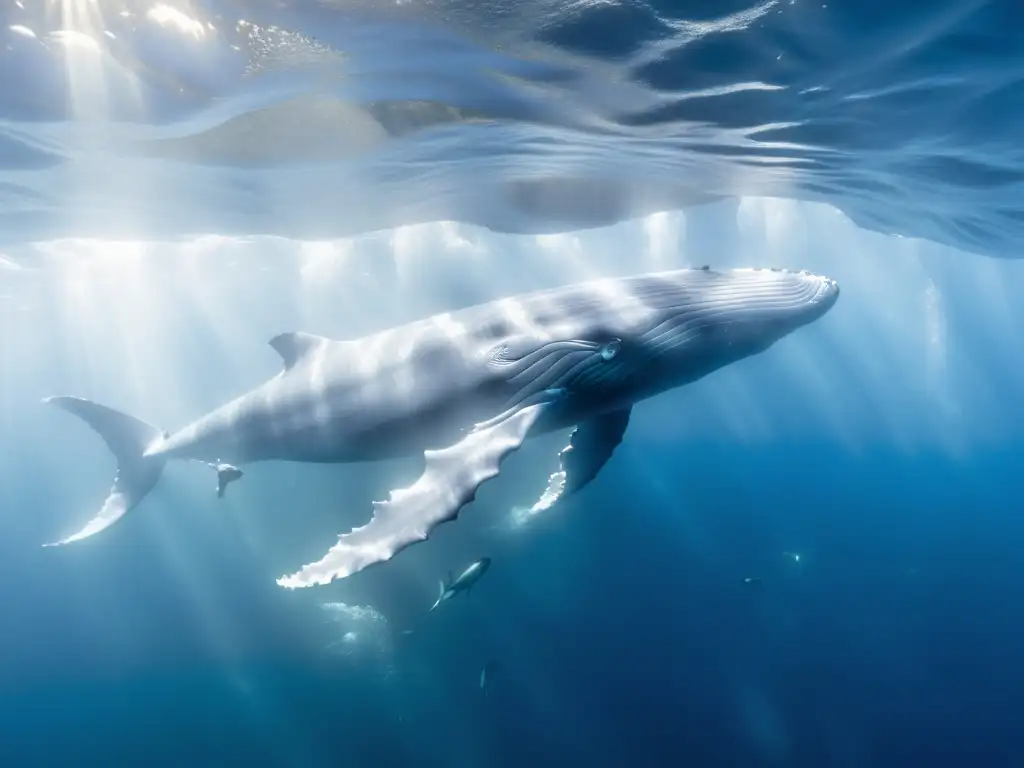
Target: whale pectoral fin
226	474
591	444
449	481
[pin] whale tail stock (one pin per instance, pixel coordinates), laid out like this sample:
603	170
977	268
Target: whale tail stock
127	438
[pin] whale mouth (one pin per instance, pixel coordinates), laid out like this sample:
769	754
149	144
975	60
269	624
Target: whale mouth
782	297
826	295
778	301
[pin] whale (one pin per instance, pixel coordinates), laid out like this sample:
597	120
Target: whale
463	390
463	583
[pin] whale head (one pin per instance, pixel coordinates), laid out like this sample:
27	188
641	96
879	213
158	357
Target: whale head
614	342
667	329
702	320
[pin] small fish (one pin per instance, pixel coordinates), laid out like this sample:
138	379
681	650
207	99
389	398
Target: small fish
752	581
487	672
463	582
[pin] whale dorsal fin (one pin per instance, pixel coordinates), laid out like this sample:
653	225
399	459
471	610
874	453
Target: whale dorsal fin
296	345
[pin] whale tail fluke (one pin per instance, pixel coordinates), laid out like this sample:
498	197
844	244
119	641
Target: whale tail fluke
127	438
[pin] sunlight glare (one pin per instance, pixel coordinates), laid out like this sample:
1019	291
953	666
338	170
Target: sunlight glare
22	30
167	16
666	235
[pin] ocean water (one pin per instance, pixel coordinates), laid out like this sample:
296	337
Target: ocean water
182	182
317	119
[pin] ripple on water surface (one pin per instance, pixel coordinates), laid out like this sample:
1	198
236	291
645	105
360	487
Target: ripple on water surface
317	120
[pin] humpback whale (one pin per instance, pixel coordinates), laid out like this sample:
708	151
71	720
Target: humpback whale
465	389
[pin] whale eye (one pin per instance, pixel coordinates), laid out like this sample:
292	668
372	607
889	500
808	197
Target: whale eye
611	349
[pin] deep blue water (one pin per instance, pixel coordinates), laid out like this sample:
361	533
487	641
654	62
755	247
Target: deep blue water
174	196
893	643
